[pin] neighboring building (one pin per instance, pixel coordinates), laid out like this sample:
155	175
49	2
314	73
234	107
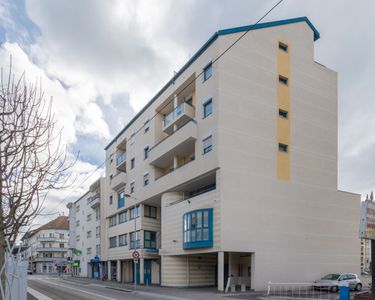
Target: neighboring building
85	231
365	255
234	173
47	246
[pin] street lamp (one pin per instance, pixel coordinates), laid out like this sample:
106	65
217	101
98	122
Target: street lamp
135	241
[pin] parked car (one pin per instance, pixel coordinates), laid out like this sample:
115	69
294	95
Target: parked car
29	271
332	282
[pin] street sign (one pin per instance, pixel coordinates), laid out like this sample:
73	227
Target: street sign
135	254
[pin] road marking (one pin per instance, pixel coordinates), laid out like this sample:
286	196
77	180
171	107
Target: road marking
37	295
79	290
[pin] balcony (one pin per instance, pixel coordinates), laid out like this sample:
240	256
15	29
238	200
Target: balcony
52	249
121	162
47	239
118	181
180	143
180	115
94	201
49	259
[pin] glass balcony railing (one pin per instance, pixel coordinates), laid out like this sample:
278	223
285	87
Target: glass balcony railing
177	111
121	158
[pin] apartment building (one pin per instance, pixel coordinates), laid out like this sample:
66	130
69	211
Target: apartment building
47	246
230	171
85	232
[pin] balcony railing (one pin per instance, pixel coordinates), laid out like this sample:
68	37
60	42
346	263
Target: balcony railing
174	169
46	239
179	115
121	158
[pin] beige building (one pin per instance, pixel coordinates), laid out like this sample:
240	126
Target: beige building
234	174
365	255
85	219
47	246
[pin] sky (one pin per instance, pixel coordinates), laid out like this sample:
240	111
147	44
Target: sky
102	61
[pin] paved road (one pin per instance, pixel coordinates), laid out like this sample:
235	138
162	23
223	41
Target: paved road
58	289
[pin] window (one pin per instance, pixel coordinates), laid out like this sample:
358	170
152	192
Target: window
207	71
132	138
121	199
51	235
132	186
77	223
207	144
78	237
61	236
112	221
132	163
49	245
97	250
189	101
134	212
146	126
283	114
113	242
77	208
197	229
123	217
146	179
89	217
97	231
135	239
110	200
149	239
89	234
146	149
62	245
283	147
122	240
97	213
283	80
283	47
207	108
149	211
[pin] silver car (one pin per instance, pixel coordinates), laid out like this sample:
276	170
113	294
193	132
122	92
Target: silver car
332	282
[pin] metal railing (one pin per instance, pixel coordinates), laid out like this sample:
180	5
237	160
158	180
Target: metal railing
299	290
176	112
121	158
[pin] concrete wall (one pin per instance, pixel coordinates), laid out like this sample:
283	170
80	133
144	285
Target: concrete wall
299	228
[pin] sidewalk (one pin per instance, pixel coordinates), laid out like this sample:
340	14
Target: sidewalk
168	292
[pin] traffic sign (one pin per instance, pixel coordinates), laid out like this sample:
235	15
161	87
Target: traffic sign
135	254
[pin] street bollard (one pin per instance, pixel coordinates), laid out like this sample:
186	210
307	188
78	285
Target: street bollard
344	292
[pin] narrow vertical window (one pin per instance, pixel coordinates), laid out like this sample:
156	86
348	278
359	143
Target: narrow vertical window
207	108
146	150
283	114
283	47
146	179
207	144
146	126
207	71
283	147
283	80
132	163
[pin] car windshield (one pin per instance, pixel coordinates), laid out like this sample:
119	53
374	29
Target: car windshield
331	277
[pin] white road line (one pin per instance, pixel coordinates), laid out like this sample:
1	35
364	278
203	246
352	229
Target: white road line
37	295
79	290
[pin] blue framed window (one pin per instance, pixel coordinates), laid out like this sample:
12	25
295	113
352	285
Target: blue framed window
207	144
132	163
149	239
283	147
146	149
283	114
198	229
283	80
121	200
135	238
207	72
207	108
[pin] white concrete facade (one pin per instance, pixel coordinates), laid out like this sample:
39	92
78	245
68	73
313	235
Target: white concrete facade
211	172
47	250
85	232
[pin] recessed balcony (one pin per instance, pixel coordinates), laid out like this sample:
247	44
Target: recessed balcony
46	239
121	162
180	115
52	249
94	200
179	144
118	181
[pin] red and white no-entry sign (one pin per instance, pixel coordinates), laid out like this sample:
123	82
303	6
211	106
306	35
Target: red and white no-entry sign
135	254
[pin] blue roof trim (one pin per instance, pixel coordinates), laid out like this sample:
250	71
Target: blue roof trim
271	24
203	48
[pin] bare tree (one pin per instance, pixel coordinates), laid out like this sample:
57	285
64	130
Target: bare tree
32	158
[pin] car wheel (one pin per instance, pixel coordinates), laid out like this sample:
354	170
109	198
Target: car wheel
358	287
334	289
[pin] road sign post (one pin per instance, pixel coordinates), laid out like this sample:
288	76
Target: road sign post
135	255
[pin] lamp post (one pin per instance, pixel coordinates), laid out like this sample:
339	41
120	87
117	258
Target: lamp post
135	241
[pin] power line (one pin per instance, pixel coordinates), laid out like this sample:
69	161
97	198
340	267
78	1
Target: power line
177	94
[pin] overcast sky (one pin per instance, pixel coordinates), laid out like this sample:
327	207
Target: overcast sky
103	60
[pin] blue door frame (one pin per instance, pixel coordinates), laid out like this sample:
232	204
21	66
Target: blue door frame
147	269
137	277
